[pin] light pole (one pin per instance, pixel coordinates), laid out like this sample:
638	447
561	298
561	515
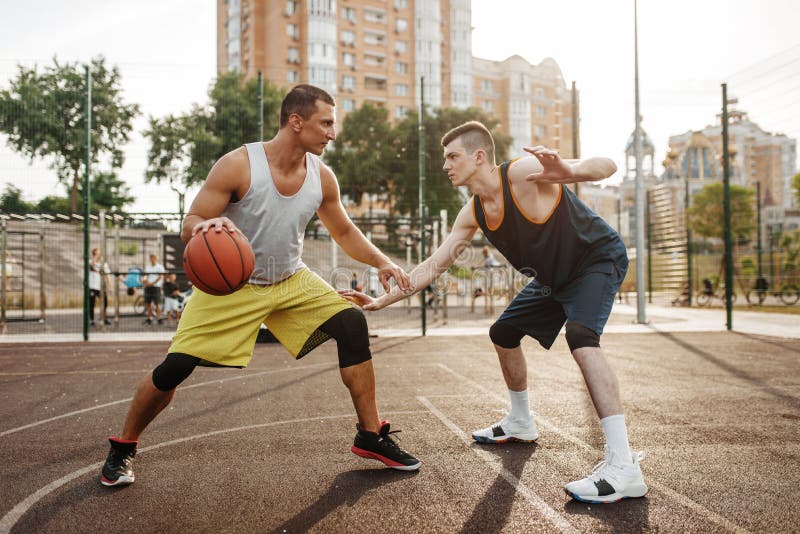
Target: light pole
641	317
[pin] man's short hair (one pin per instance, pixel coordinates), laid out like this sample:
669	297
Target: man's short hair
302	100
474	135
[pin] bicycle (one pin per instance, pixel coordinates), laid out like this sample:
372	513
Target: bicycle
709	293
788	293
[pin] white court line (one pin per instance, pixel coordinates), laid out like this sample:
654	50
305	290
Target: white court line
680	498
542	507
10	519
107	404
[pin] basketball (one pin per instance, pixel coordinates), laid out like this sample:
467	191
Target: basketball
218	263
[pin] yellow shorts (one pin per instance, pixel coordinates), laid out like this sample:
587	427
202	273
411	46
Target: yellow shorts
223	329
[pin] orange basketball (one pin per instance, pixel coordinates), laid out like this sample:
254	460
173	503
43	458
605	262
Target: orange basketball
218	263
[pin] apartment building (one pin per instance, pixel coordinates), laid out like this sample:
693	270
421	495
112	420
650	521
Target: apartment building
376	51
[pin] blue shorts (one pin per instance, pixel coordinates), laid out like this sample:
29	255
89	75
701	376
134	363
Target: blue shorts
587	300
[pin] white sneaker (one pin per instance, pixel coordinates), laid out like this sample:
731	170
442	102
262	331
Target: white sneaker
508	430
610	481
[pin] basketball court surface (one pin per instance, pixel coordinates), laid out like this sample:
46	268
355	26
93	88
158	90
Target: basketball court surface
266	449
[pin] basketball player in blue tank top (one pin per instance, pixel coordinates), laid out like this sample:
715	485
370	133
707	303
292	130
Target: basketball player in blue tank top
577	263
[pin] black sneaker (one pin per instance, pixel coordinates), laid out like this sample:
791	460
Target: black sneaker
148	321
118	469
160	321
381	447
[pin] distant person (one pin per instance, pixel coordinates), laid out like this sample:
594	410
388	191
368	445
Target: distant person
152	282
9	271
99	282
354	283
488	258
173	300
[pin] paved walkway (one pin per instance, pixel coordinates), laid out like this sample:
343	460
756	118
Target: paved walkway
659	319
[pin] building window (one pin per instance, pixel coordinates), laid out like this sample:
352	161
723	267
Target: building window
374	15
400	112
488	106
291	7
349	59
293	31
487	85
292	76
294	55
349	13
538	92
348	83
540	130
401	67
400	47
541	111
348	37
348	104
400	4
401	89
400	25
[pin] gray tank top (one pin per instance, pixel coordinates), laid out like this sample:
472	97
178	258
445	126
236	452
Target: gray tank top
275	223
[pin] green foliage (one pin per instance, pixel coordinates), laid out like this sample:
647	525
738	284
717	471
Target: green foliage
11	201
183	148
53	204
128	249
362	156
43	115
107	192
706	215
440	193
796	186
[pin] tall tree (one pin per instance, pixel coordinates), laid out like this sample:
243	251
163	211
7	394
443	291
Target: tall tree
796	186
405	165
362	151
183	148
706	216
43	115
11	201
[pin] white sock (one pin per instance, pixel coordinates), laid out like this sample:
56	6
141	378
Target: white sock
520	406
616	433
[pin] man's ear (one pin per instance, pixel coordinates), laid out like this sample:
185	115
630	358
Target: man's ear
480	156
295	122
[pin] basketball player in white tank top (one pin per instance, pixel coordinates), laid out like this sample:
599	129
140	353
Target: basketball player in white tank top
270	191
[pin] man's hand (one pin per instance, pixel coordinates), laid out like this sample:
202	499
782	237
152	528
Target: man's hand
554	169
362	300
391	270
217	223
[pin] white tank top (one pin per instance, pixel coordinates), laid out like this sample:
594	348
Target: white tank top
275	223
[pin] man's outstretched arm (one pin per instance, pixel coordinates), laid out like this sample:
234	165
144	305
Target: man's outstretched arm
430	269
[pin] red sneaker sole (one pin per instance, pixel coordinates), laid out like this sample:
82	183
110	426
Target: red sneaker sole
390	463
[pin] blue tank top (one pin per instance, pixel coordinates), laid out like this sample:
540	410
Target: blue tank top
571	241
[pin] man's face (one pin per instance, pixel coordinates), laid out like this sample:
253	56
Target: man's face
153	259
319	129
458	164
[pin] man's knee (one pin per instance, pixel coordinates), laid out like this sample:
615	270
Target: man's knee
349	329
504	335
175	368
579	336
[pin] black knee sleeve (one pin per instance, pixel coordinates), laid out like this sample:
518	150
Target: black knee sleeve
175	368
504	335
349	329
578	336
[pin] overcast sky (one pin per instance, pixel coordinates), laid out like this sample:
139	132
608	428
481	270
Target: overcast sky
166	50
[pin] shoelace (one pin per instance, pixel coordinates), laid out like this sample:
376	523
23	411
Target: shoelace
386	437
603	469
